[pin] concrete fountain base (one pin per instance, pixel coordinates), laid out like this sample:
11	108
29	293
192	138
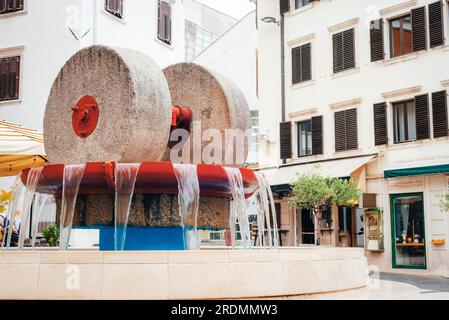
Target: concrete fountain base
205	274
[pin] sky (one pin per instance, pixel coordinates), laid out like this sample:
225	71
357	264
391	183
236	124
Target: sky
235	8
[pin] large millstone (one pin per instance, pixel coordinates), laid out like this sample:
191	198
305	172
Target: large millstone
216	104
134	108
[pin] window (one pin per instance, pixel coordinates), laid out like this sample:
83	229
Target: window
8	6
404	115
114	7
408	231
401	36
9	78
346	137
344	50
301	64
164	26
305	138
301	3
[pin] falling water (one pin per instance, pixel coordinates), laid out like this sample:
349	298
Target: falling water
32	180
41	200
188	200
125	181
16	196
70	186
238	208
267	203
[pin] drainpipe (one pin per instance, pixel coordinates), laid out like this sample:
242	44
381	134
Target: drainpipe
283	117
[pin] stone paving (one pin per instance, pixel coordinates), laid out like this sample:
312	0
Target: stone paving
392	286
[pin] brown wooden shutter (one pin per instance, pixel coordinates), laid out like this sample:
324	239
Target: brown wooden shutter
317	135
419	29
340	131
164	18
422	117
351	129
439	112
296	65
4	72
284	6
377	40
337	40
436	24
380	124
348	49
285	140
3	6
346	132
168	36
306	62
14	5
13	77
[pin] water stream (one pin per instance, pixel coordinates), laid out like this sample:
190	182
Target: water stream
31	185
41	200
125	180
188	200
238	212
73	175
267	207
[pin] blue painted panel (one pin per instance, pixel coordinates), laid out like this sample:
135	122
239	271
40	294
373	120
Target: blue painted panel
140	239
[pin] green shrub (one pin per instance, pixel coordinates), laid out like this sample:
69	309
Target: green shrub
51	234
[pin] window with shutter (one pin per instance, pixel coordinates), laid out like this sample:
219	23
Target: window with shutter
115	7
343	50
436	24
400	36
404	120
164	19
380	124
419	34
439	112
422	117
285	140
284	6
304	138
301	63
8	6
377	40
9	78
317	135
346	132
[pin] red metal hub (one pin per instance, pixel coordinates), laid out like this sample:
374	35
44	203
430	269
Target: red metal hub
85	116
181	118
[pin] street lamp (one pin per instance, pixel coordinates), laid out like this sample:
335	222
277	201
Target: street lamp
270	20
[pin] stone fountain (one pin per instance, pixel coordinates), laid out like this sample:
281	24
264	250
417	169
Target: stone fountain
130	154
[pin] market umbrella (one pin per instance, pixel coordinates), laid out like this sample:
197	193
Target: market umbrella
20	148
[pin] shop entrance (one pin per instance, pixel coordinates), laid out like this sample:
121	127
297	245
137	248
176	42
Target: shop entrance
408	231
305	227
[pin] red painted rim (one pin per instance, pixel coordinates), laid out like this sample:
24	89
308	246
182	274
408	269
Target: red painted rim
85	116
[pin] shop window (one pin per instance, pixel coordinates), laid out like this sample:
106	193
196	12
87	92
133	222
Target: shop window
401	36
404	115
408	231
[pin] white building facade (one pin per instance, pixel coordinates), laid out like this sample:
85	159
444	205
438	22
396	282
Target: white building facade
364	95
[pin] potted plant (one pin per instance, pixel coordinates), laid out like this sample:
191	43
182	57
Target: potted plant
51	234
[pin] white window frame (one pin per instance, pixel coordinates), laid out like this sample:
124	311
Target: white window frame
16	13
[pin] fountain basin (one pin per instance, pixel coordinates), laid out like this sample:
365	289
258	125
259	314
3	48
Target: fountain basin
205	274
153	178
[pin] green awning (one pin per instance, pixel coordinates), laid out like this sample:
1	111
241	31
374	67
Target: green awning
442	168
